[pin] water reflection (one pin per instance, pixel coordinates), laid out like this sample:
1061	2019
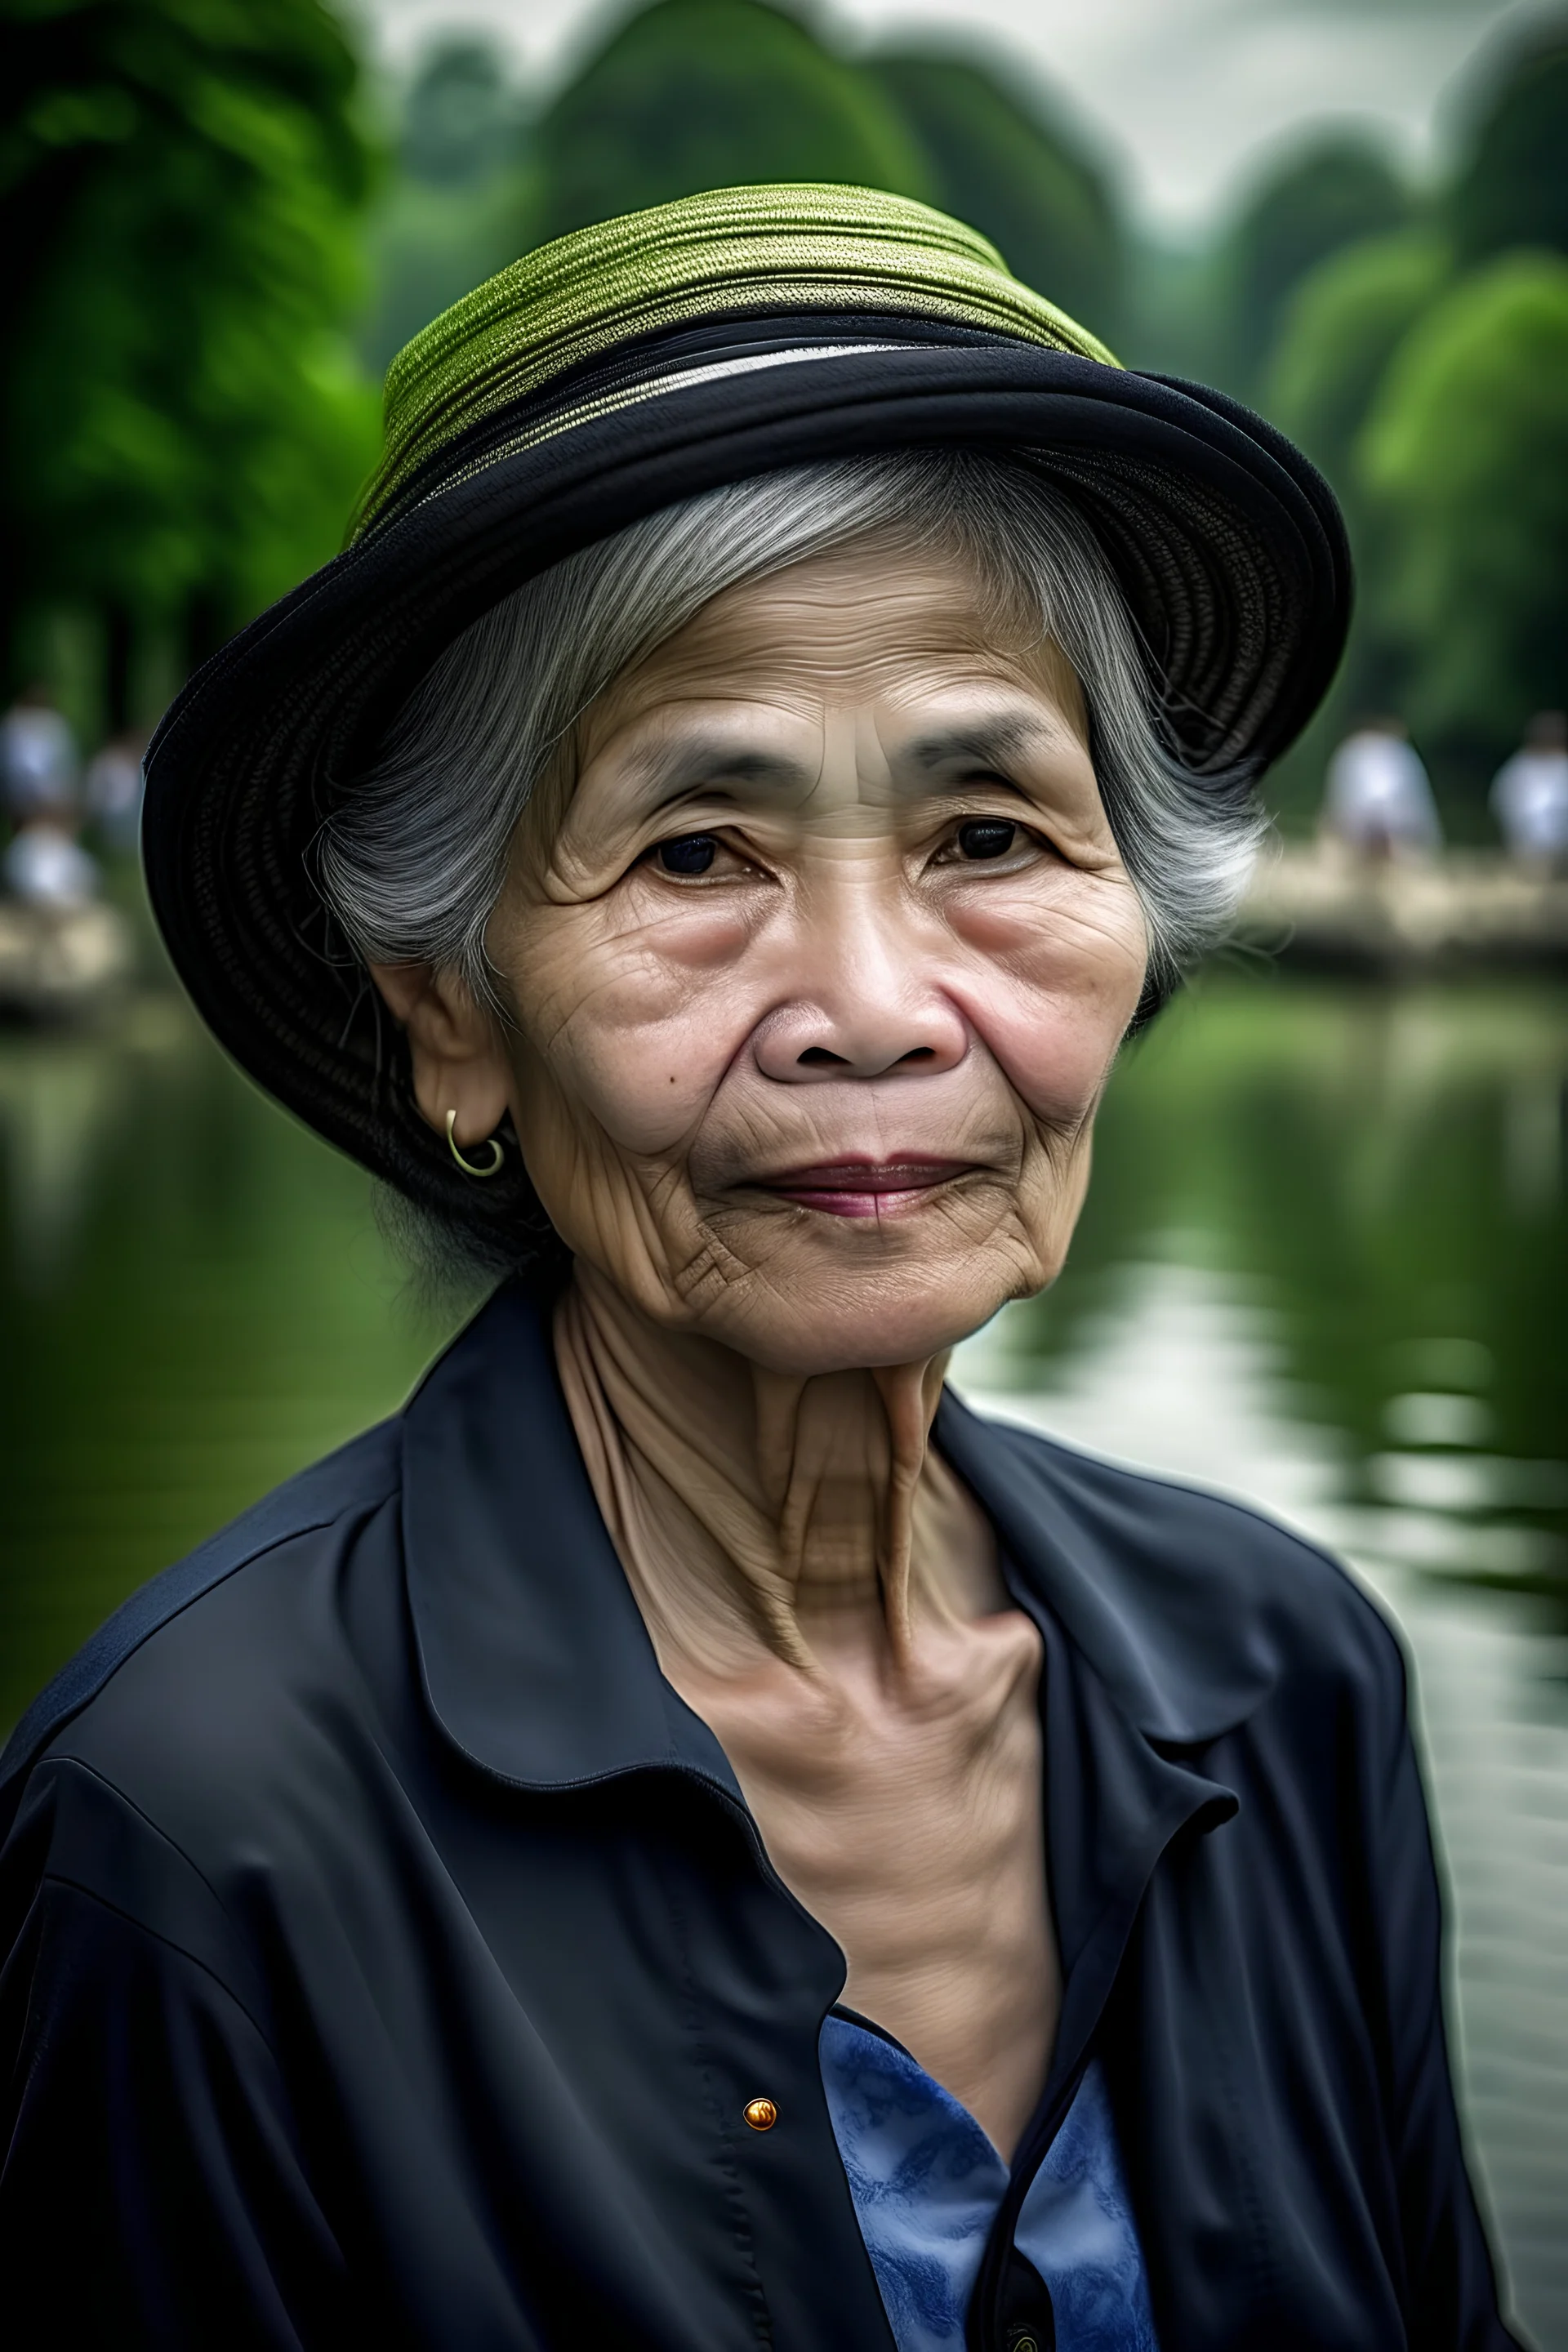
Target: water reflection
57	1109
1323	1267
1323	1264
193	1301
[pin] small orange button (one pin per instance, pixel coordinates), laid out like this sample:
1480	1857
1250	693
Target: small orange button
762	2114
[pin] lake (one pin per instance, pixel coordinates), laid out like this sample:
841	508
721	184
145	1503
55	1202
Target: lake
1324	1264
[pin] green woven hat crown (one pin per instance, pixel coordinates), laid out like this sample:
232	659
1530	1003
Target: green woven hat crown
798	248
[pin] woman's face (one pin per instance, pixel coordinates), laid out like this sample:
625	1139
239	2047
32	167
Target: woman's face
820	972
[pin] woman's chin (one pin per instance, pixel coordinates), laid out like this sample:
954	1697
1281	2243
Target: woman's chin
829	1320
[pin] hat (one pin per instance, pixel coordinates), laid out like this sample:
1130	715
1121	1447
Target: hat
616	372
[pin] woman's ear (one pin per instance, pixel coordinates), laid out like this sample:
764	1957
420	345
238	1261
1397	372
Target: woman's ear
455	1047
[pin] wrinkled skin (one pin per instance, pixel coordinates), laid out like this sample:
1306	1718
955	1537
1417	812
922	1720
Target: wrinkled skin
816	957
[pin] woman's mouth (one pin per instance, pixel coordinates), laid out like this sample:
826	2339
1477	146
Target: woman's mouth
864	1188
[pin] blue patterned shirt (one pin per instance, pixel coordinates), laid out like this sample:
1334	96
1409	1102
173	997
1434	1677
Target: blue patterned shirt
927	2184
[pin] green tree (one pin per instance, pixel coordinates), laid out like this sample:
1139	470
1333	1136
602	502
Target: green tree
183	424
1464	463
460	205
1512	184
694	94
1330	194
462	119
1338	333
1006	162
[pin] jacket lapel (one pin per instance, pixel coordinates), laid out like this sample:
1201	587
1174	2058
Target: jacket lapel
537	1665
535	1659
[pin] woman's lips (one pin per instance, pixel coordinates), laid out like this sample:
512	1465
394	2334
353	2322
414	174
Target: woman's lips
864	1188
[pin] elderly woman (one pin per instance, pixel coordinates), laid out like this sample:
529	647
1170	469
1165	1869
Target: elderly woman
685	1839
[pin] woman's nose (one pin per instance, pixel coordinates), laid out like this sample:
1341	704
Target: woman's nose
861	1016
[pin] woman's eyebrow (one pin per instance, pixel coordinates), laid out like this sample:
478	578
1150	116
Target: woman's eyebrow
990	742
663	771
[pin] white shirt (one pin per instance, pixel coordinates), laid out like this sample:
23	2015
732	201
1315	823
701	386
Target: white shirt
37	760
1530	801
1379	791
114	793
44	868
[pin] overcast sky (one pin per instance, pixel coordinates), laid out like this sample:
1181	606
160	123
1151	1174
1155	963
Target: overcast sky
1190	92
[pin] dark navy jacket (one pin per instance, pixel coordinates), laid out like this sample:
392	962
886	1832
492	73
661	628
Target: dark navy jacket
391	1955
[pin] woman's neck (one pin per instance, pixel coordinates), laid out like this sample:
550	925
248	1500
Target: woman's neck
764	1514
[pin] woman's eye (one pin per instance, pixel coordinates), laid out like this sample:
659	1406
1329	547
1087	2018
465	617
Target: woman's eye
693	853
987	836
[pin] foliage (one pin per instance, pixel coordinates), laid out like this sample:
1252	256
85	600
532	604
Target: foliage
1465	458
184	426
998	161
462	120
695	94
1326	195
1511	188
461	204
182	185
1338	333
430	245
1423	370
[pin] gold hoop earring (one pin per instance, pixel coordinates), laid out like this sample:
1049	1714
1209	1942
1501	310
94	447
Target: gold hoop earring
497	1153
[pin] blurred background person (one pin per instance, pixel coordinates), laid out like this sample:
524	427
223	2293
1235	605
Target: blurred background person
39	765
1530	794
46	866
113	792
1379	800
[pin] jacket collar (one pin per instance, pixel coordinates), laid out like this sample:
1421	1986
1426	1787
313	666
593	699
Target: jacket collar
535	1659
1155	1584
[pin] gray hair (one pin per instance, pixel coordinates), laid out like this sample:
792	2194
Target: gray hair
413	860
